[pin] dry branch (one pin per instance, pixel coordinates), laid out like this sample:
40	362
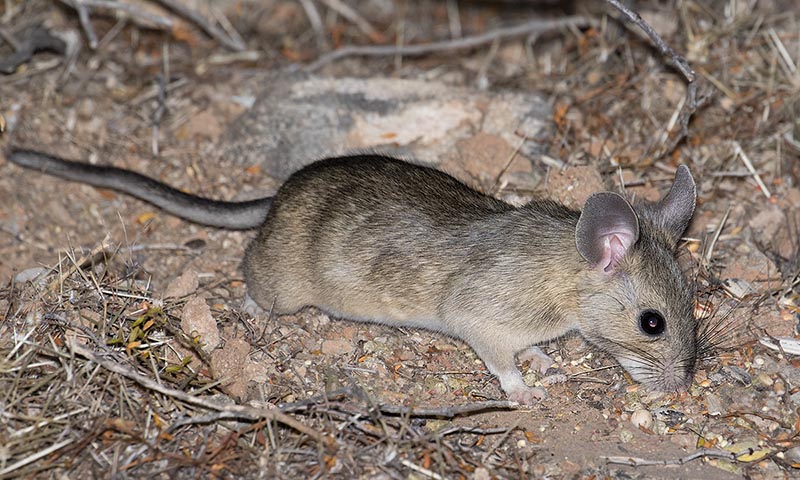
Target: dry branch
527	28
702	453
212	30
690	103
229	411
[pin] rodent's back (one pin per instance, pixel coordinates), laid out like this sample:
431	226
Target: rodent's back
387	233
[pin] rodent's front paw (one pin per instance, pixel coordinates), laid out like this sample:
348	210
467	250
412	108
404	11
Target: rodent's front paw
528	396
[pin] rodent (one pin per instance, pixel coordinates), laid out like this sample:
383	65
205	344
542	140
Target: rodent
376	239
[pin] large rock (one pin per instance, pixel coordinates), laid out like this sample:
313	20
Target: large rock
300	120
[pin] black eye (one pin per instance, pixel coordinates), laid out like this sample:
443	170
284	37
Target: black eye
651	322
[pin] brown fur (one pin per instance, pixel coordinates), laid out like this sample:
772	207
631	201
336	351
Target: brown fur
376	239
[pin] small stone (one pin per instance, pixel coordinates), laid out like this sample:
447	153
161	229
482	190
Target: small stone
791	375
713	404
642	419
337	347
481	473
35	274
763	380
737	374
625	436
792	455
184	285
197	321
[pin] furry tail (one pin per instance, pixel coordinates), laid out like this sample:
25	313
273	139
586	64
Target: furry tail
230	215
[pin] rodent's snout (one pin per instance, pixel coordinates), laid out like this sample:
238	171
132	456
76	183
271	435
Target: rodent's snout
669	374
678	375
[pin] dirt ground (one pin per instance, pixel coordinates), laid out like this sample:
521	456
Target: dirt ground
124	348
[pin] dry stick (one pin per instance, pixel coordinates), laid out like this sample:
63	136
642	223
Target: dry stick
444	412
449	412
86	24
316	22
527	28
40	454
717	232
347	12
679	62
702	453
128	11
234	411
746	160
204	24
131	11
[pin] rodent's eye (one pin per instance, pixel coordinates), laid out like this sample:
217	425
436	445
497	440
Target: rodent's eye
652	322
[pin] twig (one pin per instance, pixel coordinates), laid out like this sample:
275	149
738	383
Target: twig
717	232
40	454
233	411
449	412
690	103
86	24
421	470
204	24
454	18
678	61
473	430
443	412
130	11
527	28
746	160
316	23
347	12
702	453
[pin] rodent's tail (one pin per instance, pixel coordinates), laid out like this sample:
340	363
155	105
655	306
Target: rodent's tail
230	215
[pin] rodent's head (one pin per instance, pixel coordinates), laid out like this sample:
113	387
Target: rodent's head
635	303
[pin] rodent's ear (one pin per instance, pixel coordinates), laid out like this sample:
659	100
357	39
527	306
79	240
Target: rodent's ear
675	210
606	230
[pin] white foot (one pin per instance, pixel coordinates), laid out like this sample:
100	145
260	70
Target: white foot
539	360
528	396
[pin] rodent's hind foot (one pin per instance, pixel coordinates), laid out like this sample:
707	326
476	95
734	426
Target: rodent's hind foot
539	360
528	396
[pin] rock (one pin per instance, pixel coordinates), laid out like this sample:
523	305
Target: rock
200	125
792	455
737	374
35	274
642	419
183	285
791	375
762	381
750	265
197	321
573	185
234	368
713	404
337	347
299	120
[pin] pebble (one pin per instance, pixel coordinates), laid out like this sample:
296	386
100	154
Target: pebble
31	274
737	374
643	419
763	380
792	455
714	404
